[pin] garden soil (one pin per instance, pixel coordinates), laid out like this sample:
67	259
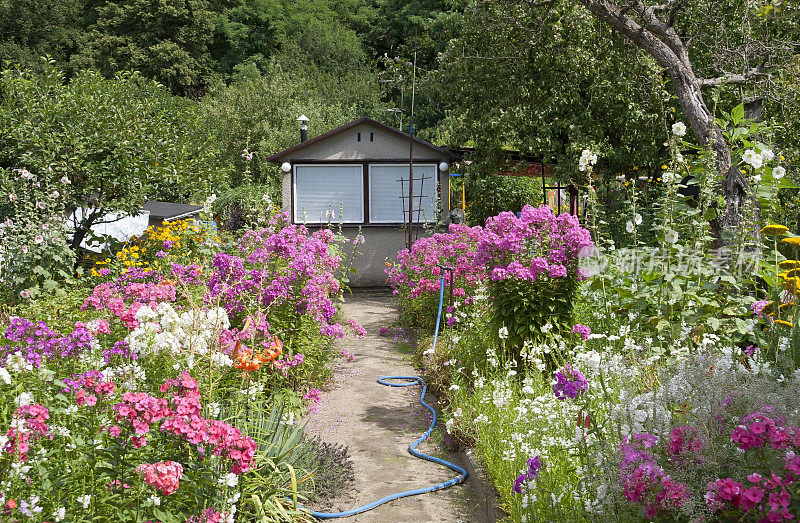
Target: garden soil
377	423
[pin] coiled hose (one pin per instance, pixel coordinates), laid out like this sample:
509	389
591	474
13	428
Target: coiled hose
407	382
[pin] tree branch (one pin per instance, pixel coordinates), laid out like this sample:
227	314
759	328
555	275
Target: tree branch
733	79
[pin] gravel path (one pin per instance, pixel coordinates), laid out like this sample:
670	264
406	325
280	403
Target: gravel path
378	423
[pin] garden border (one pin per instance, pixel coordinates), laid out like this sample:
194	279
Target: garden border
481	486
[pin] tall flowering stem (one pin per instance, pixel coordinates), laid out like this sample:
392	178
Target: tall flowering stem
532	265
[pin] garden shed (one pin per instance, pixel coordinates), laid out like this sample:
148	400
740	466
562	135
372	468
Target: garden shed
358	175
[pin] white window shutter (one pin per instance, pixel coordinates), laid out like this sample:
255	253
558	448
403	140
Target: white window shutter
388	196
324	193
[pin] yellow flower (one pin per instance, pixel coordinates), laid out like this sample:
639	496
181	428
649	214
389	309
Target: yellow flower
791	284
94	273
794	241
664	167
784	323
789	264
635	167
774	230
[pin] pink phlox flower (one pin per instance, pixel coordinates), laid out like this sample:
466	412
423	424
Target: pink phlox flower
164	475
582	330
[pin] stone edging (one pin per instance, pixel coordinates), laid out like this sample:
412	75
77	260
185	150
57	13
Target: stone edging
481	486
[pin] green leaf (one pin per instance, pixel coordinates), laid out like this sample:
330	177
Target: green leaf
741	326
737	115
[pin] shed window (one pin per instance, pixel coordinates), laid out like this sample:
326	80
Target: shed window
325	193
388	194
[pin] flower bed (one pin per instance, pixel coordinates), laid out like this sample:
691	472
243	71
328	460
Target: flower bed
169	395
692	415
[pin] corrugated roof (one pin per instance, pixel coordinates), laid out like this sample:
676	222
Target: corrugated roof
278	156
169	210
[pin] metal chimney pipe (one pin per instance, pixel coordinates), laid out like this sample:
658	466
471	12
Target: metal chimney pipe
303	128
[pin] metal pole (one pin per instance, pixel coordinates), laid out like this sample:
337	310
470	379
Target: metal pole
411	151
451	287
544	188
450	270
558	188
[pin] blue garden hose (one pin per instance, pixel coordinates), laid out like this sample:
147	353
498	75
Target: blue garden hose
408	381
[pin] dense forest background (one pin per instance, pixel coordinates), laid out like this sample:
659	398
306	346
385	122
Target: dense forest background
544	78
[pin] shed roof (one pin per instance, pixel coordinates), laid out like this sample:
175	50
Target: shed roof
169	210
277	157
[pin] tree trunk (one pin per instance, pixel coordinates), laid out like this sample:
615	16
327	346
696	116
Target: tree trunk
638	23
81	230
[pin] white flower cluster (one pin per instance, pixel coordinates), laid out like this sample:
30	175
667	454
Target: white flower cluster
634	413
208	203
5	376
586	160
85	500
17	363
127	376
186	335
756	160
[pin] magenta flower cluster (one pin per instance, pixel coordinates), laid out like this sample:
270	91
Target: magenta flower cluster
417	270
537	244
284	364
644	482
759	429
582	330
283	265
768	498
762	498
685	446
211	515
126	294
758	307
570	383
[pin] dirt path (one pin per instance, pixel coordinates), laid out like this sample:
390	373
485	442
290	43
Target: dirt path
378	423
